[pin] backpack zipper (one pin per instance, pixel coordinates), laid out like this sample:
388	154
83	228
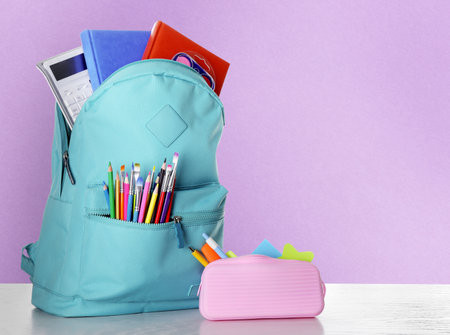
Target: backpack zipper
67	166
189	217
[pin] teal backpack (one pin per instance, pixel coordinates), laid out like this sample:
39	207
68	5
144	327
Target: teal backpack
87	264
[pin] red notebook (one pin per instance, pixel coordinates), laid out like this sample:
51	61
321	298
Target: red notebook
165	42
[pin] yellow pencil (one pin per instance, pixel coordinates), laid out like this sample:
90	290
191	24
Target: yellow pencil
151	207
117	196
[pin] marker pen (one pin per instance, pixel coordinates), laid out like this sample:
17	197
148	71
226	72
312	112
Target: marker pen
199	256
213	244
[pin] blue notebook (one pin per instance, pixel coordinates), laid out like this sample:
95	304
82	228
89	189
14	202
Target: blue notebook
106	51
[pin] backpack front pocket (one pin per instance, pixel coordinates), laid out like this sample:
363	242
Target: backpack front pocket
137	262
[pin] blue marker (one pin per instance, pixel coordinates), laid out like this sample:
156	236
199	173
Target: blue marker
213	244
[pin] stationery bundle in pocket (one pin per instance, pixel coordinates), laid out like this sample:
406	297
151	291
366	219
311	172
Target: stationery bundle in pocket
133	199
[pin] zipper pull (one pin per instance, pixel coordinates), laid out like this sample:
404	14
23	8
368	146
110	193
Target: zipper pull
67	166
179	233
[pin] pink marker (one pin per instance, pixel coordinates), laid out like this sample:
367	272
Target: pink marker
144	198
126	191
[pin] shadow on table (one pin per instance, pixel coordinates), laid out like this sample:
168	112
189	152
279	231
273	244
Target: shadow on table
173	322
309	326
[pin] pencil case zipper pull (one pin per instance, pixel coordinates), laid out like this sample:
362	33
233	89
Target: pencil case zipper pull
67	166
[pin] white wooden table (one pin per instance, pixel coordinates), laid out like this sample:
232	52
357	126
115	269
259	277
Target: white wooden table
349	309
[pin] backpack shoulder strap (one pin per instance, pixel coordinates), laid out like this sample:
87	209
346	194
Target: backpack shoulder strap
27	264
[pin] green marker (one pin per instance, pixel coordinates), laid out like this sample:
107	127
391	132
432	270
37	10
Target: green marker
112	208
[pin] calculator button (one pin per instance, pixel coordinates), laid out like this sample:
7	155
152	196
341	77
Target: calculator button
80	97
74	109
69	101
68	92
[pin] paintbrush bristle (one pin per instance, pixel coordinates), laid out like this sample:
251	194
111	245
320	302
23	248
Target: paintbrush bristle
122	168
175	160
140	182
137	167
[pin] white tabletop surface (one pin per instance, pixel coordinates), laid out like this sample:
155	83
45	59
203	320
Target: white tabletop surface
349	309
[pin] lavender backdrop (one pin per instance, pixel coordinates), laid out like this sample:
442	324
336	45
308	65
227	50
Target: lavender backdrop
337	137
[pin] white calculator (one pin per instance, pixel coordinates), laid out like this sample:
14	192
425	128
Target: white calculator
68	78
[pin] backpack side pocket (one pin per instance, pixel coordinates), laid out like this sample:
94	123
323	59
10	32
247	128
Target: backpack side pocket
52	245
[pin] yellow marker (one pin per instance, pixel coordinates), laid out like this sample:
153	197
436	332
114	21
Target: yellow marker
152	202
117	196
199	257
231	254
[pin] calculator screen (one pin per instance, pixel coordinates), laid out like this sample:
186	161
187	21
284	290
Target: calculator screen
68	67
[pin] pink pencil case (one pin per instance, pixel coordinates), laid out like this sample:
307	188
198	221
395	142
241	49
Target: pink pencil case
260	287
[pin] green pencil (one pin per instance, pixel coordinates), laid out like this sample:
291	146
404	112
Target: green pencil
112	209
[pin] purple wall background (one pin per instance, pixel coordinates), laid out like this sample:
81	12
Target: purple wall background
337	137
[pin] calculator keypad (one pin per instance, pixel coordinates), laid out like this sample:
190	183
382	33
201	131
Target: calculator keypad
74	99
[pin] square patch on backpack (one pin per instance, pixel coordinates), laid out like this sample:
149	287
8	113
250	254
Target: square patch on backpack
167	125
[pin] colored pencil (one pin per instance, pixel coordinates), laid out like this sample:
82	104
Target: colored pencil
163	171
112	210
122	179
144	198
171	198
151	207
150	190
162	195
105	190
166	206
126	192
117	188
